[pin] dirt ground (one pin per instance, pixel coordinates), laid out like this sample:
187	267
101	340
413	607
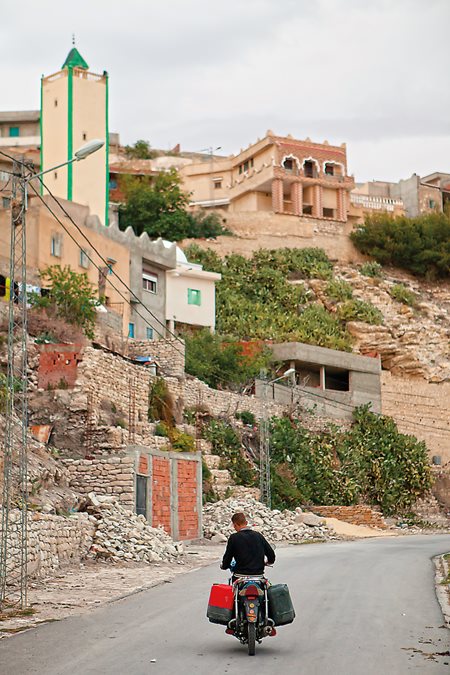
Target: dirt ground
75	590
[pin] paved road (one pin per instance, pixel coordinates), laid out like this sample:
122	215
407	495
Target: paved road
363	608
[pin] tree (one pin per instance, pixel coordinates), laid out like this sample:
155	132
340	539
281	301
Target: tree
140	150
70	296
158	207
220	362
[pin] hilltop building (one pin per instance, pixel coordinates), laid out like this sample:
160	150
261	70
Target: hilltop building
278	174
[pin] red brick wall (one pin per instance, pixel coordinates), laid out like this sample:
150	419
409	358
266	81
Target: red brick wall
187	500
161	493
58	363
357	515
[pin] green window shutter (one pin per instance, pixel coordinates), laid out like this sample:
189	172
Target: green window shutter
14	132
194	297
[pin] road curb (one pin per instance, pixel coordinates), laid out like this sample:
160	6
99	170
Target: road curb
441	570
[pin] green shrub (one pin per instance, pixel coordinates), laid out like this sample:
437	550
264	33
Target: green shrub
359	310
370	463
316	326
403	294
161	429
246	417
339	290
220	362
371	269
420	244
226	443
181	441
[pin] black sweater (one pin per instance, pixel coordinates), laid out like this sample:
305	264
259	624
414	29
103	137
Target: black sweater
248	548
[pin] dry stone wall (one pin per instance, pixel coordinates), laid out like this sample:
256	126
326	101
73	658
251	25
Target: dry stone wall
168	354
359	514
53	541
419	408
104	476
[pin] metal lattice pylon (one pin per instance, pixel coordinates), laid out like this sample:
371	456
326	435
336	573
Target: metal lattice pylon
13	539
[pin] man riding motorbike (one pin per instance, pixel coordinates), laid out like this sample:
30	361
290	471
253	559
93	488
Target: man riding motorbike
249	549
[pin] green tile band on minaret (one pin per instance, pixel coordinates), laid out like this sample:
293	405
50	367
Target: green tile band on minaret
41	150
70	132
107	149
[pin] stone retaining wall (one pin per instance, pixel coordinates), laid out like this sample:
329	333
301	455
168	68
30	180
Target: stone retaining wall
104	476
359	514
419	408
168	354
53	541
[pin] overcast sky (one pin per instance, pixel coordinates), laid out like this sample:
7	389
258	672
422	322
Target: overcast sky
206	74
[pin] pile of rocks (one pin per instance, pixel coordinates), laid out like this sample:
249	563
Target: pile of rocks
124	536
274	525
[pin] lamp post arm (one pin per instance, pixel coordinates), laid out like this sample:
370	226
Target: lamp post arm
58	166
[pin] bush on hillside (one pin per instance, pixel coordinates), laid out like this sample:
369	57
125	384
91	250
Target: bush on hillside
403	294
420	245
372	463
371	269
220	362
339	290
359	310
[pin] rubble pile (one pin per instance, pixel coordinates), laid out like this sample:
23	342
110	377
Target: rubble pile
274	525
126	537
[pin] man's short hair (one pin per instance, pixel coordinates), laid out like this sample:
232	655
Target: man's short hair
239	519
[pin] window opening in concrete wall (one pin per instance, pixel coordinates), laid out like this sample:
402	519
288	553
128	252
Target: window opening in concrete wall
328	213
55	246
308	376
288	165
84	259
55	175
55	102
14	132
431	203
149	281
194	297
131	330
141	495
149	333
84	136
329	169
336	379
308	169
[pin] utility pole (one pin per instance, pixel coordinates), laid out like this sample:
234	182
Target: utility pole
13	539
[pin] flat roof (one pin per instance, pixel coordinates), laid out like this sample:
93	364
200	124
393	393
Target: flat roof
20	116
298	351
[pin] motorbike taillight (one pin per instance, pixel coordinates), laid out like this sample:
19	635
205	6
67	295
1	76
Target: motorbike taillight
251	592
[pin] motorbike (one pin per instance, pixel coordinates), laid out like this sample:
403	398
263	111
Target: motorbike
250	607
251	622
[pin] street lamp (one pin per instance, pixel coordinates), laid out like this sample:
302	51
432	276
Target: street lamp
83	152
264	442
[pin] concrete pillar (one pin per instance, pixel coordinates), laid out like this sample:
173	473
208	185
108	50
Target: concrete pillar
317	201
171	325
277	195
322	377
341	205
199	496
174	498
297	198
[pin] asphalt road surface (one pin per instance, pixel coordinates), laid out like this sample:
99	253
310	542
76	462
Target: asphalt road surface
363	608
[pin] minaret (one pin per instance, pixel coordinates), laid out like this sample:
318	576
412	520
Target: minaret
74	110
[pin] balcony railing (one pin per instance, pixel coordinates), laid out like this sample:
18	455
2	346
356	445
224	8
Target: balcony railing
376	203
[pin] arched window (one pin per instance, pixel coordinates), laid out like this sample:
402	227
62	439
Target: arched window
310	167
290	164
333	169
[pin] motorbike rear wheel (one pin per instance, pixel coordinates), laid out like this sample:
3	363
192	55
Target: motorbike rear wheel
251	639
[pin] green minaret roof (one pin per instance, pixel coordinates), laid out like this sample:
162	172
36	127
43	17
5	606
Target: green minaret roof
75	60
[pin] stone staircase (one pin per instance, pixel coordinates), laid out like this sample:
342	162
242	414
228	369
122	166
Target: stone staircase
222	482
